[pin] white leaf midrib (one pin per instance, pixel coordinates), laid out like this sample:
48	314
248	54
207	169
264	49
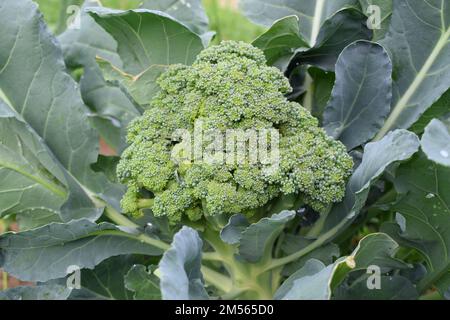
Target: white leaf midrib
317	21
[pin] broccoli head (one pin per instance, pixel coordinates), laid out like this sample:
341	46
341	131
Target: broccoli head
229	88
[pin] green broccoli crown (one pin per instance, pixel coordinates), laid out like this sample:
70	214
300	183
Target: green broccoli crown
229	87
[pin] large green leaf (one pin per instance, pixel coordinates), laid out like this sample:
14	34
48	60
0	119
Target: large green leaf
35	187
41	292
32	185
361	97
110	102
337	32
137	31
142	87
392	288
436	142
308	283
311	14
112	109
181	278
33	79
377	249
423	215
315	281
397	146
81	44
258	238
143	283
419	46
232	232
106	280
282	38
47	252
189	12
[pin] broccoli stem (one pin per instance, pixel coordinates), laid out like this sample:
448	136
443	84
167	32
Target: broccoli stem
324	238
120	219
248	281
217	279
146	203
213	277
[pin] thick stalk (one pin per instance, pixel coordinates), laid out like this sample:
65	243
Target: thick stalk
119	218
217	279
248	282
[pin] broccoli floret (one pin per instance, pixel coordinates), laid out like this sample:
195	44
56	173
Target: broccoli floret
229	87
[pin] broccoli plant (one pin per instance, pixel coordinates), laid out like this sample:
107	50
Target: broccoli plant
312	163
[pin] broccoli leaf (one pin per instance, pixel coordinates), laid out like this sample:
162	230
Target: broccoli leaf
106	280
181	278
306	283
282	38
398	145
34	81
394	287
112	108
110	102
361	97
232	232
135	41
377	249
336	33
83	42
135	32
143	283
35	187
258	237
315	281
436	142
311	14
47	252
32	185
142	87
40	292
419	46
423	216
189	12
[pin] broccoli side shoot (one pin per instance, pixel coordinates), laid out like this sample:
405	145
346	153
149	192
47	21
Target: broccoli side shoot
228	88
